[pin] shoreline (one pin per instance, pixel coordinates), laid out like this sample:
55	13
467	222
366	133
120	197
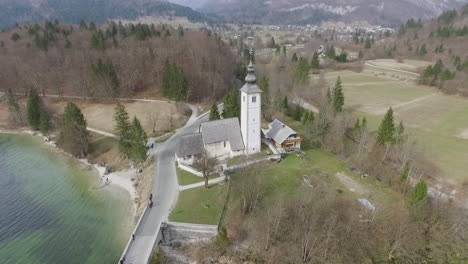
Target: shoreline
119	179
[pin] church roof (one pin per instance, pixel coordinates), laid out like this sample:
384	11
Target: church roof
279	132
190	145
250	85
223	130
250	88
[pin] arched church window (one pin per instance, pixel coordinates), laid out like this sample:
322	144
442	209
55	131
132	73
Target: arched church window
254	99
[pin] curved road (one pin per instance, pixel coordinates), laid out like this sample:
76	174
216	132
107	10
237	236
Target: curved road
165	193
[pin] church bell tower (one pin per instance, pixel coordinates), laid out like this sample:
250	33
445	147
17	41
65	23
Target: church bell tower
251	112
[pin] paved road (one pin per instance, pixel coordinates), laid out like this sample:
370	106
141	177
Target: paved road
165	193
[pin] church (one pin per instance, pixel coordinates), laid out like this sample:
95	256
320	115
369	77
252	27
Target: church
227	138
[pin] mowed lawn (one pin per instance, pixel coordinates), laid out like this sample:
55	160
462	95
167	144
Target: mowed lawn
438	121
200	205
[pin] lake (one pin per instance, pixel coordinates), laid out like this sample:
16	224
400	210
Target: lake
53	211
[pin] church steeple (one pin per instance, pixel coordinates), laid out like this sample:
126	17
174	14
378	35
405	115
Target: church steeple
251	86
251	96
250	78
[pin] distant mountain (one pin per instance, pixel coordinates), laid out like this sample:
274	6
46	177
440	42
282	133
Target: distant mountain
195	4
383	12
73	11
440	39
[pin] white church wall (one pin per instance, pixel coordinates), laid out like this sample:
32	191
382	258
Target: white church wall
220	150
250	122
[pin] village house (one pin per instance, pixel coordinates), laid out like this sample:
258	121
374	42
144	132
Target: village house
282	136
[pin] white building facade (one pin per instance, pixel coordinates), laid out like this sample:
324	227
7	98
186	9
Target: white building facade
251	113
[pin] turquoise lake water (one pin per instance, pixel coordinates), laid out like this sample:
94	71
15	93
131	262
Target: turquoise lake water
51	210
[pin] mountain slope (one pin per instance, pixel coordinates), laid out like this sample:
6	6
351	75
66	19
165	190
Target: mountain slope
442	39
73	11
386	12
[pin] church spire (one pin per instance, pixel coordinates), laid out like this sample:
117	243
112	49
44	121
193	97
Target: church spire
250	78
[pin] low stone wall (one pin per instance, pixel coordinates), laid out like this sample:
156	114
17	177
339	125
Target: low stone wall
173	232
190	170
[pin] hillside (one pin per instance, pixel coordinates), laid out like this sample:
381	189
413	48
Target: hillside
441	39
385	12
114	60
72	11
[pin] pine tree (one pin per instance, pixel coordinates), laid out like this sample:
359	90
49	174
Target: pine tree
214	114
122	129
405	174
74	137
44	122
386	132
357	126
14	108
368	44
419	194
298	113
285	103
315	63
305	117
400	131
34	109
265	87
232	103
295	58
138	142
338	96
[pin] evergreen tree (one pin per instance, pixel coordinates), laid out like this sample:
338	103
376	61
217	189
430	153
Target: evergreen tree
295	58
174	82
138	142
44	122
302	71
315	63
285	103
338	96
74	138
265	87
180	29
298	113
400	131
34	109
122	129
330	51
419	194
214	114
368	44
232	103
272	43
386	132
405	174
14	108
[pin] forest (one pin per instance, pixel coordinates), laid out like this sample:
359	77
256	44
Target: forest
115	60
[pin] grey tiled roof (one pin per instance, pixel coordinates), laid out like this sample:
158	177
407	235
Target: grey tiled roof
251	88
223	130
279	132
190	145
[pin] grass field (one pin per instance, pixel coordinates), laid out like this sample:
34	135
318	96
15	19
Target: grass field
438	121
186	178
200	205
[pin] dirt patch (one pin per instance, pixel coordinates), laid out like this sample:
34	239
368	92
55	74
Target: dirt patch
351	184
